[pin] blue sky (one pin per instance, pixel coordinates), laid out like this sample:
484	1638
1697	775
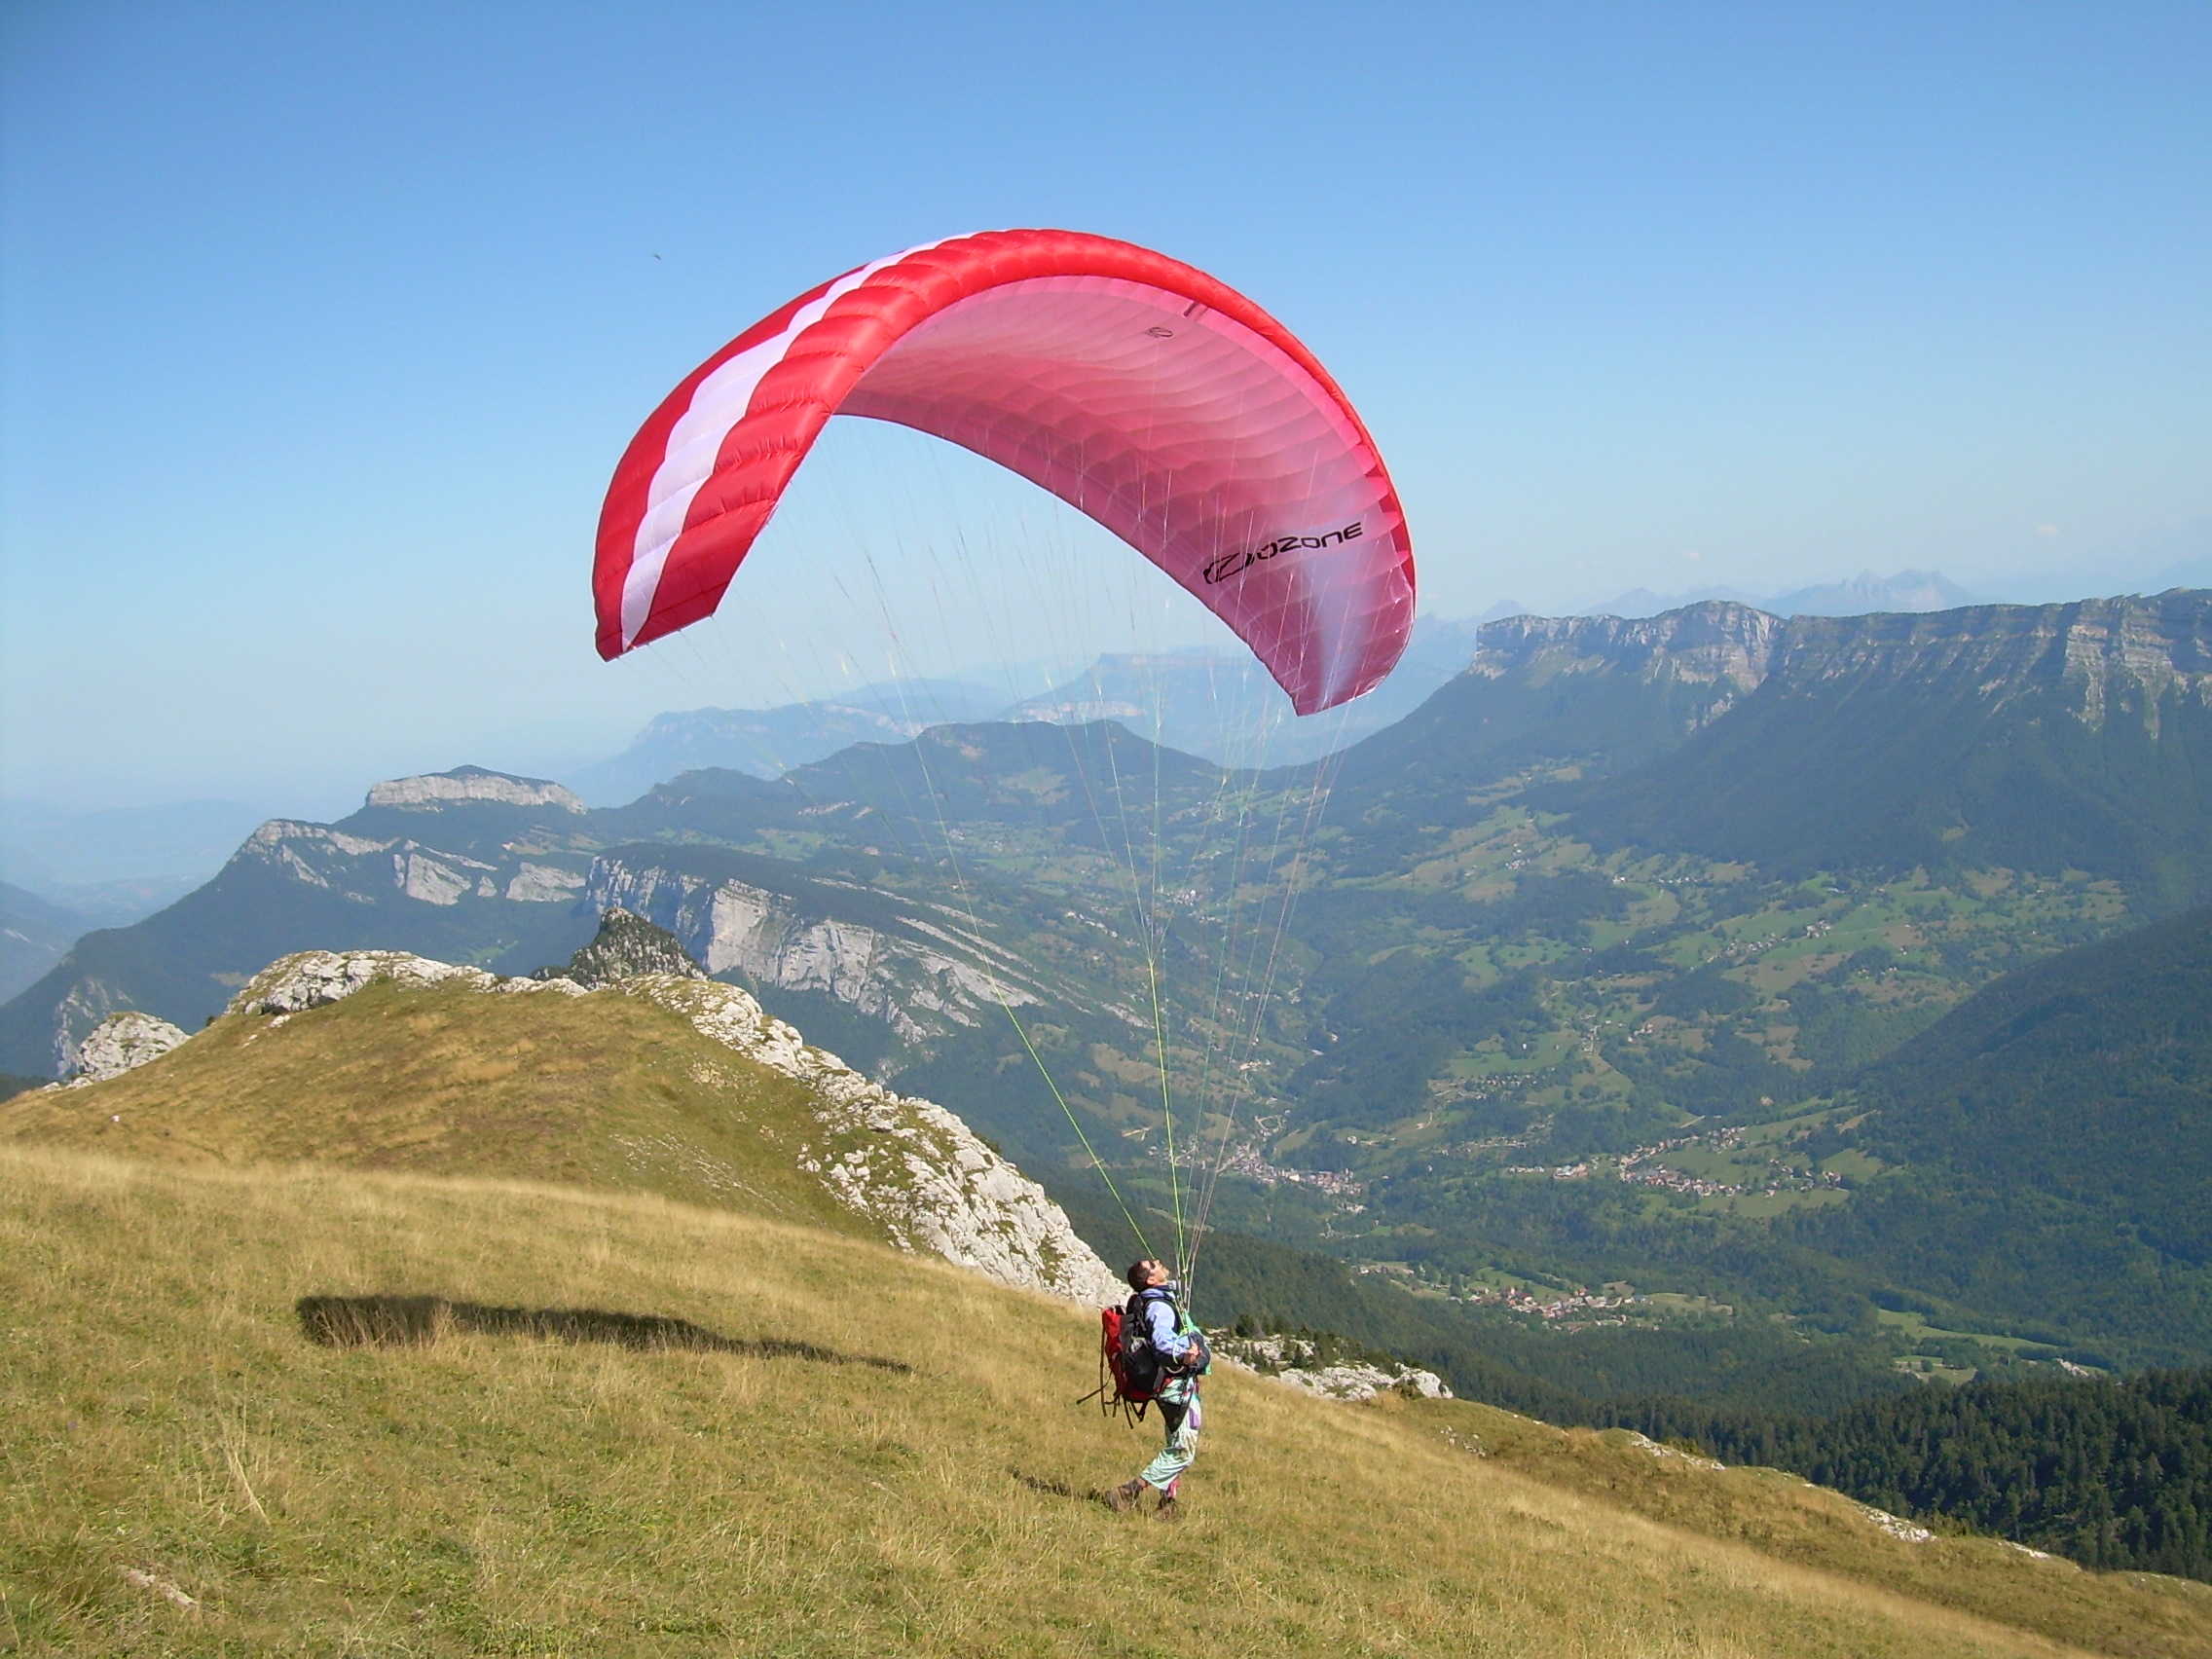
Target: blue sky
325	326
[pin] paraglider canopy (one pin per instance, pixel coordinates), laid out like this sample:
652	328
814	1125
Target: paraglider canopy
1160	402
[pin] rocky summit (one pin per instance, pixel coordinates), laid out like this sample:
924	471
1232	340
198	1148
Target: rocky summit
624	948
473	784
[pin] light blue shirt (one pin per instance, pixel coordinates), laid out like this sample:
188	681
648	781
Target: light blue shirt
1159	1320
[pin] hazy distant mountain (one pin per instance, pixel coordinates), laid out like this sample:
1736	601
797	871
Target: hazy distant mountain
1221	706
34	934
1217	703
128	898
2193	571
2169	556
1860	595
1643	601
1867	593
767	743
103	862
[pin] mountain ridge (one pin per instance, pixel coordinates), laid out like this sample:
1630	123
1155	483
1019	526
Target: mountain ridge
2020	736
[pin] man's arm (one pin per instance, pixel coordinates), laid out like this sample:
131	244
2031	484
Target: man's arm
1167	1341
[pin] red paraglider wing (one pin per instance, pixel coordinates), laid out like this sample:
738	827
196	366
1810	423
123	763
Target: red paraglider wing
1140	390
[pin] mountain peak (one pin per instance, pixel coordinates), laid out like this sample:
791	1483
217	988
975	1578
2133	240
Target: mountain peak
469	784
1867	592
625	946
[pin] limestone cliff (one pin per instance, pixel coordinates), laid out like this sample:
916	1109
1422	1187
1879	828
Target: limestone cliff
317	854
1712	642
2098	655
919	969
2129	649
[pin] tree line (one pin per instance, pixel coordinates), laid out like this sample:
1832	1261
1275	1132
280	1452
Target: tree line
2109	1472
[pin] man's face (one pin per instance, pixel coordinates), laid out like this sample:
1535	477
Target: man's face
1156	1272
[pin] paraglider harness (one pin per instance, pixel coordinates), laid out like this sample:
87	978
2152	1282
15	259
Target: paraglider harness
1131	1370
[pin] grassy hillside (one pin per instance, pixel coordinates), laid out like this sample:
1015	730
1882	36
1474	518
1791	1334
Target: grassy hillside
171	1430
2052	1139
2062	1075
607	1091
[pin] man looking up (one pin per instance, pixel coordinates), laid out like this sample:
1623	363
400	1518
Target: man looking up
1183	1357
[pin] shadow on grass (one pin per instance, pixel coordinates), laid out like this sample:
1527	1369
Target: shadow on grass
415	1321
1051	1487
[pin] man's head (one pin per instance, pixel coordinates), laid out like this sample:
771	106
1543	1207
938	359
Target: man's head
1144	1274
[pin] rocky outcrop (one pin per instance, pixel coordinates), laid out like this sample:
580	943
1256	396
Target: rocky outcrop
79	1013
312	978
2157	648
1365	1382
1651	1448
1302	1364
472	785
911	1167
1896	1526
625	948
121	1043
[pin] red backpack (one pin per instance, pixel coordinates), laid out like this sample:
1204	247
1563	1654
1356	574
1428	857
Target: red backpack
1131	1372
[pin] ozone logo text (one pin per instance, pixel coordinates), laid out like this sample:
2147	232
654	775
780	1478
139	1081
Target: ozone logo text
1245	558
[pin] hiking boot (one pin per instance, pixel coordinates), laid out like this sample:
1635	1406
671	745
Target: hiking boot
1168	1510
1124	1496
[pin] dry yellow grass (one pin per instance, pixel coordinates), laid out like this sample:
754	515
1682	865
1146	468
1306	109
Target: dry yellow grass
165	1418
607	1091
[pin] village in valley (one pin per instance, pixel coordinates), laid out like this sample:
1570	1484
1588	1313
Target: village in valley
1645	1166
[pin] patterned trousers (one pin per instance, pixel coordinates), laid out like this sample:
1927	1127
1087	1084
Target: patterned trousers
1182	1421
